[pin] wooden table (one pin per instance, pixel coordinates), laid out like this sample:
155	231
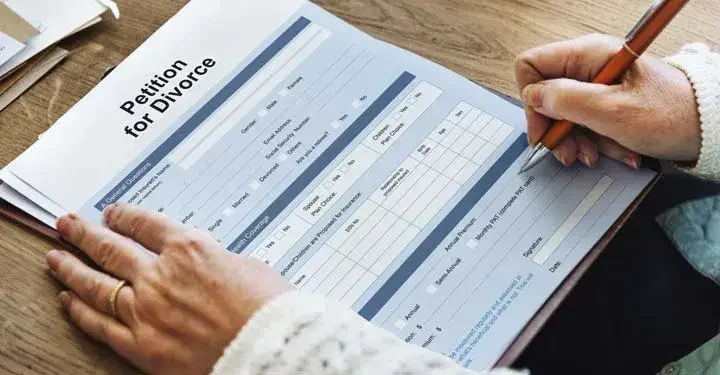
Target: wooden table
477	38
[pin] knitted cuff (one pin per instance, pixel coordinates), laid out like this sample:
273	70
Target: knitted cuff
299	333
702	68
268	333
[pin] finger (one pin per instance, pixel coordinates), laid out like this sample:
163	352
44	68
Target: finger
98	325
613	150
149	228
566	151
537	125
587	150
579	59
93	287
109	250
596	106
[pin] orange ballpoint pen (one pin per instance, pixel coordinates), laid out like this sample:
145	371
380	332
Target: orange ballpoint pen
638	40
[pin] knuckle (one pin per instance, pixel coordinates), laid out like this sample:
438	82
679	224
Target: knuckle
604	40
597	36
555	94
95	289
81	234
105	252
523	62
136	225
157	354
256	264
576	62
520	60
188	242
70	277
65	270
104	331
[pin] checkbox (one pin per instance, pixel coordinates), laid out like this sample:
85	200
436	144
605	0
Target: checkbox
279	234
431	289
356	104
283	157
412	100
400	324
263	113
335	124
344	168
261	253
396	116
284	92
228	211
472	244
255	185
328	185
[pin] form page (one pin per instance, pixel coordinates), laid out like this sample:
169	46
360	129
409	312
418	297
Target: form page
368	175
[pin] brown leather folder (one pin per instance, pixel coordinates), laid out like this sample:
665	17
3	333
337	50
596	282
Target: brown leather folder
534	325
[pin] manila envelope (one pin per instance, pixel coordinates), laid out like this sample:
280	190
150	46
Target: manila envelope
14	26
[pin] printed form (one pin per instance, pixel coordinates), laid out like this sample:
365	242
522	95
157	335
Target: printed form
358	170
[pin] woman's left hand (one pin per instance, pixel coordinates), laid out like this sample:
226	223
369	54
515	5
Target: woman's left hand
186	297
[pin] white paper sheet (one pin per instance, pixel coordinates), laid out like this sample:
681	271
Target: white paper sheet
18	200
357	170
178	41
49	61
54	19
9	47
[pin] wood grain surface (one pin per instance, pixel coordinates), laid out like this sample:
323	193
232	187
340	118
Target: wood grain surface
476	38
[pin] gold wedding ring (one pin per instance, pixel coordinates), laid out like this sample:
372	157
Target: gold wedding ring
112	300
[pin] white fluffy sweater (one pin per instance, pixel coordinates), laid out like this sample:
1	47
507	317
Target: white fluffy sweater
299	333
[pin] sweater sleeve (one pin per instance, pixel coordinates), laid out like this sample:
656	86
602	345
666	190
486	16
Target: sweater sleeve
299	333
702	68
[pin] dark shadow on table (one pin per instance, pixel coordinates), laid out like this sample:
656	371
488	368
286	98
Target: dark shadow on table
640	306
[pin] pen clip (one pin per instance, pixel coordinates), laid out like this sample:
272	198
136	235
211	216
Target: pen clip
645	18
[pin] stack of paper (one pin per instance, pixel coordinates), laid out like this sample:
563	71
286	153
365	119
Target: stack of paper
29	30
15	32
359	171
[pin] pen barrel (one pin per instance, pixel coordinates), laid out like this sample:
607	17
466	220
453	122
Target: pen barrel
641	39
610	74
613	71
556	133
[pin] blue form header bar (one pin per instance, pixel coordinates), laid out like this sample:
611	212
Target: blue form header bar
202	114
327	157
433	240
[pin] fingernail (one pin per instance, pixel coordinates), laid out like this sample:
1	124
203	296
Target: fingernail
108	212
586	160
529	141
561	157
632	162
532	95
64	222
65	299
53	259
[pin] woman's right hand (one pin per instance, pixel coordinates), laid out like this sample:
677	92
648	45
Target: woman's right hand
652	111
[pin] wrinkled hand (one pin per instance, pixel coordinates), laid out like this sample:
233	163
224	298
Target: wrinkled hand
187	297
653	110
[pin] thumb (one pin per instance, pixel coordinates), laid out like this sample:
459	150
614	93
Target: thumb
592	105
